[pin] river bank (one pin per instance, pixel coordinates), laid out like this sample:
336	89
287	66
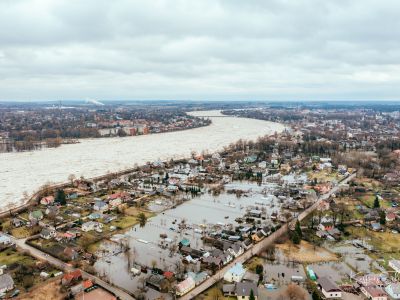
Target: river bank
25	172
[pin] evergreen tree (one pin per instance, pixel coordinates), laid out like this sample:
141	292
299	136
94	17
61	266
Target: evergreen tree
60	197
298	229
376	202
296	239
316	296
382	217
252	295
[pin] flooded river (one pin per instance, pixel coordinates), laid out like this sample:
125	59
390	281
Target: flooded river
26	172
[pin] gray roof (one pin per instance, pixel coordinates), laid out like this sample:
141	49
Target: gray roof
244	289
6	281
327	284
395	287
228	288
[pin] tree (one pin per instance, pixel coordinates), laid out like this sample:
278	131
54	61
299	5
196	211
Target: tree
259	269
296	239
60	197
298	229
71	179
142	219
295	292
382	217
315	295
252	295
376	202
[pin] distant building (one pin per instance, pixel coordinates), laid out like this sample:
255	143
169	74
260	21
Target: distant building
329	289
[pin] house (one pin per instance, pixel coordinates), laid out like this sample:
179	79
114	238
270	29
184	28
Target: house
35	216
185	286
71	277
80	287
157	282
255	213
390	217
95	216
374	293
184	243
329	289
210	261
198	277
6	283
49	200
48	233
91	225
376	226
266	230
229	290
100	205
244	289
325	226
334	232
115	202
52	210
5	240
374	280
247	244
393	290
236	250
235	274
257	237
395	265
16	222
321	234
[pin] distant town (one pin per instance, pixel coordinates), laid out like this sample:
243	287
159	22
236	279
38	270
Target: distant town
309	213
31	127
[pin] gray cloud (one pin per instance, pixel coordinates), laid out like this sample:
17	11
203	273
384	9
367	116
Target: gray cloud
199	49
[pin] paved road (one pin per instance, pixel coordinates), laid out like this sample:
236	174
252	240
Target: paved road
261	246
66	267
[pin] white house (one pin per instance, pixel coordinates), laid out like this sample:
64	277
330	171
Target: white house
185	286
329	289
5	240
235	274
395	265
393	290
6	283
100	205
49	200
115	202
374	293
48	233
236	250
91	225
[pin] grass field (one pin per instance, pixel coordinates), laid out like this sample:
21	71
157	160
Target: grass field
10	256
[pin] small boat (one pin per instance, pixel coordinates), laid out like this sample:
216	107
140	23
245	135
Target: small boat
226	217
143	241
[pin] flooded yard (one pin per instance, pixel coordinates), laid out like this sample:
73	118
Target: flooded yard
201	213
355	257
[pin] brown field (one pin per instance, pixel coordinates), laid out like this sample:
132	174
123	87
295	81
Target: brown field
306	252
48	291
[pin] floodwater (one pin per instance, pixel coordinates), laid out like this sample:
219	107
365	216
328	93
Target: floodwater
211	211
26	172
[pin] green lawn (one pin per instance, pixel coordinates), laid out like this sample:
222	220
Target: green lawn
10	256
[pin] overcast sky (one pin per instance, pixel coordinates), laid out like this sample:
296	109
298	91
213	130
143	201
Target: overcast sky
211	50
